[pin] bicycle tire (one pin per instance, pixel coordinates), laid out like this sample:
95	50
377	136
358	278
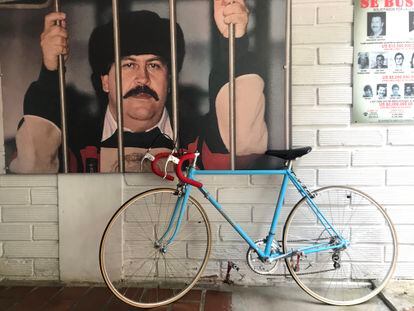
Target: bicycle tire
365	265
139	271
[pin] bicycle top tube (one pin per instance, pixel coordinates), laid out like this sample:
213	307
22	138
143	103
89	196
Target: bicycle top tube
241	172
287	155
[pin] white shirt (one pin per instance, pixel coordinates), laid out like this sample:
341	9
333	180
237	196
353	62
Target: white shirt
110	125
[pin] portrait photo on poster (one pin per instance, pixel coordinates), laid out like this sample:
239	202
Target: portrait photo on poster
363	60
395	91
412	60
381	91
367	92
408	90
379	60
32	122
411	21
376	24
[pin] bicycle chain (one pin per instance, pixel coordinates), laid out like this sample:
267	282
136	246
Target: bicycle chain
302	273
295	241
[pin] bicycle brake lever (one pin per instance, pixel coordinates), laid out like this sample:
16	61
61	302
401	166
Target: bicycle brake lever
172	159
148	156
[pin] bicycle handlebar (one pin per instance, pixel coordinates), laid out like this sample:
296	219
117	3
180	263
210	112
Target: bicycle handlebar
179	160
180	175
155	169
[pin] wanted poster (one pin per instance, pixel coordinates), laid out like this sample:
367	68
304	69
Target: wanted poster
383	75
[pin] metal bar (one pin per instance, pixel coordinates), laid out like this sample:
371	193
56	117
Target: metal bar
62	96
288	77
232	97
174	78
2	159
118	81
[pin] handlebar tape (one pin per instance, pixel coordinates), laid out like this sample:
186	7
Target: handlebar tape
156	170
180	174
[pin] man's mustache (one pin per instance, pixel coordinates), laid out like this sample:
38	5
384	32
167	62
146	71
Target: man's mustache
142	89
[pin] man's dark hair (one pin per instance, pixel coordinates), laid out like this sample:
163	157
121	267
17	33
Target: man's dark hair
399	53
384	86
363	56
382	16
410	21
367	87
141	32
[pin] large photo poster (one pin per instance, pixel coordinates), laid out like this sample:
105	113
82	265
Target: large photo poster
383	84
30	41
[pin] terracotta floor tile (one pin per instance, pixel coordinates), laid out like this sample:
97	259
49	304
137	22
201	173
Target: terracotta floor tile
217	301
16	291
116	304
95	299
66	298
186	306
21	298
36	299
192	295
6	303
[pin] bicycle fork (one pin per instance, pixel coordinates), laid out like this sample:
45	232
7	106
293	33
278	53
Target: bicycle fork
174	224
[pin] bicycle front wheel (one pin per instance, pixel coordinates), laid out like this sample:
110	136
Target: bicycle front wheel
346	275
138	263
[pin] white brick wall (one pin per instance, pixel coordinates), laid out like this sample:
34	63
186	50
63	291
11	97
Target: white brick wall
376	158
29	227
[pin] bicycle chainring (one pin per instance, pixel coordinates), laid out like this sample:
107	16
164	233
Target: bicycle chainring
259	266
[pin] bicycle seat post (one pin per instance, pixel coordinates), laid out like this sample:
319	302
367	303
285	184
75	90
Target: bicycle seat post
289	164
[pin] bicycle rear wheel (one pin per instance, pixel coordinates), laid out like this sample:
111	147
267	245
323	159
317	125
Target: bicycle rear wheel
137	264
354	273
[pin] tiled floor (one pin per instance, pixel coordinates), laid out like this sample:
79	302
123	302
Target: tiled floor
26	298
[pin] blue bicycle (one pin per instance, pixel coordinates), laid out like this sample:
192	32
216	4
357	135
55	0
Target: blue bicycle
338	244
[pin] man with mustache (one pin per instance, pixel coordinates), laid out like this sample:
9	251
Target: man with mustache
145	72
377	24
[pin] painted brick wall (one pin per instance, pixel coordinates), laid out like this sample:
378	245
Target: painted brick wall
378	159
29	227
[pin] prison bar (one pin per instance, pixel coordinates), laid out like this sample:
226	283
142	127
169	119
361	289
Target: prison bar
232	96
288	76
62	95
174	78
118	83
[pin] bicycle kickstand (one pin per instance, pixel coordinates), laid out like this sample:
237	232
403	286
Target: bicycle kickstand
230	265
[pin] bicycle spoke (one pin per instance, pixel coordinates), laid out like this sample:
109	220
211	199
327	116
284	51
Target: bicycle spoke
341	276
145	260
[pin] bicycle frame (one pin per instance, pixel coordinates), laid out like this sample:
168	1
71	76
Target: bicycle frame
267	254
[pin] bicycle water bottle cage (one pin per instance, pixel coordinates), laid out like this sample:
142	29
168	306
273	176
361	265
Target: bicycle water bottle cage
289	154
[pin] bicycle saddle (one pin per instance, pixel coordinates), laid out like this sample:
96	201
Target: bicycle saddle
289	154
